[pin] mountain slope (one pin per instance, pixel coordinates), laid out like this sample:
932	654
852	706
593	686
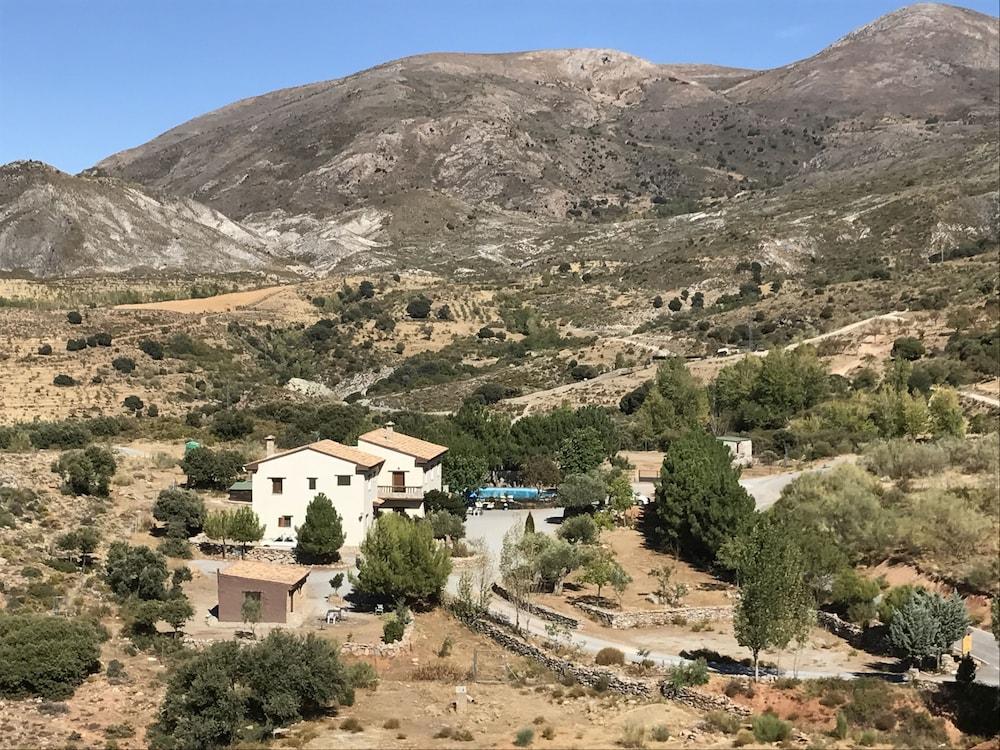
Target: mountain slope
55	224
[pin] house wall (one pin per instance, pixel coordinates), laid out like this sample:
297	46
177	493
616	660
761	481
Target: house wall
273	596
354	503
427	477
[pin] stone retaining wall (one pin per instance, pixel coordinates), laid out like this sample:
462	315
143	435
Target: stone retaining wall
639	618
702	701
380	649
589	676
536	609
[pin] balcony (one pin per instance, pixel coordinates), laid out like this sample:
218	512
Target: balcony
397	492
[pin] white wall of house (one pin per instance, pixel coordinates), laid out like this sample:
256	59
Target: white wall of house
353	501
425	478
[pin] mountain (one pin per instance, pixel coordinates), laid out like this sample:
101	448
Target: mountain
55	224
451	161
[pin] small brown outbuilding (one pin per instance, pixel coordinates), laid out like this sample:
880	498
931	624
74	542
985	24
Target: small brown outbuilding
274	585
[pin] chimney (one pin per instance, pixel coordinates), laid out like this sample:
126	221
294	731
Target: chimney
269	445
389	425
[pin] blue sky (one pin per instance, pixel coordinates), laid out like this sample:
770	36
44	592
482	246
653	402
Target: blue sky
81	79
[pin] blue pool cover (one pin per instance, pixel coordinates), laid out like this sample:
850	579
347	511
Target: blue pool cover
513	493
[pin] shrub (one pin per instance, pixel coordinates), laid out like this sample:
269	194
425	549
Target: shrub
524	737
907	347
124	365
74	317
419	307
351	724
743	739
391	724
548	732
119	731
135	571
580	528
209	469
63	380
841	727
76	345
154	349
115	672
608	656
659	733
45	349
181	511
393	630
45	656
218	691
722	721
633	735
363	675
688	674
769	728
231	425
176	547
86	472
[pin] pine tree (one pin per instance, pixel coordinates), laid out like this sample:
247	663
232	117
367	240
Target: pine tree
529	524
322	535
245	528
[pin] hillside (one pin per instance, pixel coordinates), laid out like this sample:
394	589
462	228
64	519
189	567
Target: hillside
458	162
55	224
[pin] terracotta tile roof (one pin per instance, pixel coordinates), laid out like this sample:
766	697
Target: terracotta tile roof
397	441
330	448
262	571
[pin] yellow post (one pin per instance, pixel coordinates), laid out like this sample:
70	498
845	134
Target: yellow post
967	644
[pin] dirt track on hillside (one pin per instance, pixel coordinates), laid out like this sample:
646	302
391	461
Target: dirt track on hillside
218	303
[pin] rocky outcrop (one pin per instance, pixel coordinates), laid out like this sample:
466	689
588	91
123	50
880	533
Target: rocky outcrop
355	648
536	609
641	618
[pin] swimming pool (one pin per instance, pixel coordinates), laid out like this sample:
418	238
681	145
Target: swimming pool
509	493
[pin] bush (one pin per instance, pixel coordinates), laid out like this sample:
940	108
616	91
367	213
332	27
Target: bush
578	529
524	737
231	425
841	727
86	472
213	695
208	469
722	721
608	656
393	630
907	347
74	317
115	672
633	735
419	307
63	380
445	525
769	728
175	547
351	724
45	349
45	656
659	733
363	675
181	511
76	345
584	372
124	365
391	724
743	739
154	349
688	674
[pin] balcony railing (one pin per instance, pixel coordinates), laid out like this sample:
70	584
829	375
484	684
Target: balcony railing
395	492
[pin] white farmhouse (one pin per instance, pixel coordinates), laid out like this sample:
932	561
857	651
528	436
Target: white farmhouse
410	468
387	471
285	483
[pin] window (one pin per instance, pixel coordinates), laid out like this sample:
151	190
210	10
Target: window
277	485
343	480
312	483
285	522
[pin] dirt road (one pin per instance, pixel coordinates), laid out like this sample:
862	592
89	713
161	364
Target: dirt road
218	303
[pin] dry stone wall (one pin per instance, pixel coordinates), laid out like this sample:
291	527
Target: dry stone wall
639	618
544	612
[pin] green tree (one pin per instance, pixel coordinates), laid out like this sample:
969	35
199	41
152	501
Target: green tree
464	470
995	618
551	559
529	524
83	540
517	571
250	612
216	528
86	472
699	501
927	624
176	611
774	605
231	425
46	656
540	472
209	469
578	529
600	570
419	307
675	403
581	452
907	347
135	571
621	496
182	511
445	525
400	560
446	501
321	536
217	692
582	492
946	413
245	528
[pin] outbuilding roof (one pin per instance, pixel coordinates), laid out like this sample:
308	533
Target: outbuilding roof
329	448
290	575
397	441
